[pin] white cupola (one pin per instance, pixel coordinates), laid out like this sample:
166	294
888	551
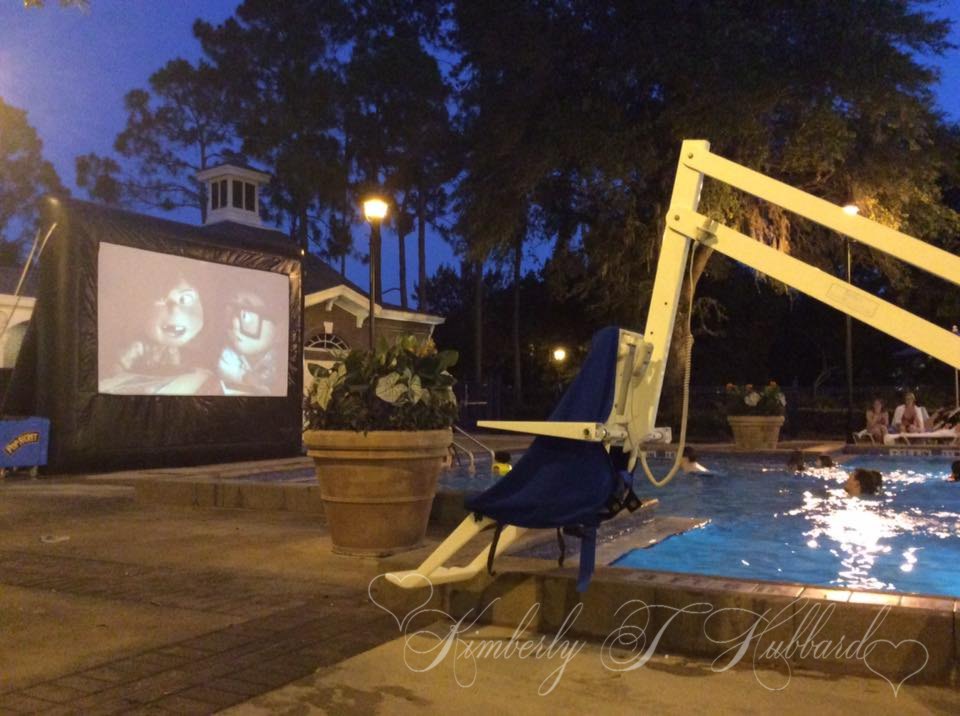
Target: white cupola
233	193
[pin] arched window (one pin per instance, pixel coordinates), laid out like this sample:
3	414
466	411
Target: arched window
320	346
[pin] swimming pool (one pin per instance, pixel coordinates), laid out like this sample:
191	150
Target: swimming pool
770	524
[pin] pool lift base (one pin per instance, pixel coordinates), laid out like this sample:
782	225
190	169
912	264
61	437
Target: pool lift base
641	359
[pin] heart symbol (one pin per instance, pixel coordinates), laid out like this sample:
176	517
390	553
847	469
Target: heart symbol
896	688
416	578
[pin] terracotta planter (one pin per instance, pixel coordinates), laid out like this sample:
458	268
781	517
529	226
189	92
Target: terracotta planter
377	487
756	432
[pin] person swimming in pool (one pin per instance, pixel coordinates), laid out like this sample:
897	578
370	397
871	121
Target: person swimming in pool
954	472
689	463
795	461
863	482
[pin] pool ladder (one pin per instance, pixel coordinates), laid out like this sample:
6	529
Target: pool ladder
472	466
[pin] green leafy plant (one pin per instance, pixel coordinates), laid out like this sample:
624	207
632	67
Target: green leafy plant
400	386
748	400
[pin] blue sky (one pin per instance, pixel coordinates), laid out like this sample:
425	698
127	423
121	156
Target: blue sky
70	70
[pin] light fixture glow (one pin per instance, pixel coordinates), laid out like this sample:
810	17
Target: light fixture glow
851	209
559	355
374	209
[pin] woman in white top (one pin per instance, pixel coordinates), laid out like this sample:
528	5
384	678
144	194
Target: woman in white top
908	418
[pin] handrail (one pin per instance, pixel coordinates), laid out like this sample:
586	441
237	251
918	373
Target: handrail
472	467
470	437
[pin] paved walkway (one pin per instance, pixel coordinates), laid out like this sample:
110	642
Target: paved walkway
107	606
385	680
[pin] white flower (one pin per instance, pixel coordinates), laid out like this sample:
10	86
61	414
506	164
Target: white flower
752	398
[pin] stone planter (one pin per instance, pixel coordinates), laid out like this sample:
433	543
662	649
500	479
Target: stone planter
755	432
377	487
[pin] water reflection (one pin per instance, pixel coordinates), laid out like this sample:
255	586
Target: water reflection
859	531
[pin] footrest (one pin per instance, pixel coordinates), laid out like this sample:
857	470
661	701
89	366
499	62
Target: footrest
412	579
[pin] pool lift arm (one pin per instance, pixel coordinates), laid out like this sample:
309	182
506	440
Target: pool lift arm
641	359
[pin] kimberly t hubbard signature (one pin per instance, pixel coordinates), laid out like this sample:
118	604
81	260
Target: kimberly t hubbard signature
767	639
764	640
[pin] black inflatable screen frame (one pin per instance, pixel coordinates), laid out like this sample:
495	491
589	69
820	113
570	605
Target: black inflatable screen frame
56	371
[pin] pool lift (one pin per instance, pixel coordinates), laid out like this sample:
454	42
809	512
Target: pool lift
641	358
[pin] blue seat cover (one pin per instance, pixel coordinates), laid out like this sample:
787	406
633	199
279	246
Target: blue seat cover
565	483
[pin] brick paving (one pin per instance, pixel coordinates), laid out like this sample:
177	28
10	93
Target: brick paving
286	627
217	591
204	674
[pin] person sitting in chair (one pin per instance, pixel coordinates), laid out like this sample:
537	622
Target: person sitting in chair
908	417
878	420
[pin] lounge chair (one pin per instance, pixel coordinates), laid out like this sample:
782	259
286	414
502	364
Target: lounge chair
946	436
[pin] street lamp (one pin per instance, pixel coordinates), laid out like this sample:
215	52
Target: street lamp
559	355
374	210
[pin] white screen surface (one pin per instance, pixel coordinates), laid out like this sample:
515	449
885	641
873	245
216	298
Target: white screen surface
169	325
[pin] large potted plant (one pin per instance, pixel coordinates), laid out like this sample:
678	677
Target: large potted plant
378	424
755	415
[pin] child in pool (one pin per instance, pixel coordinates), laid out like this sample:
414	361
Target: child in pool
501	463
954	472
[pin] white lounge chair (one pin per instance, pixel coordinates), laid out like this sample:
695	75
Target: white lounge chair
945	436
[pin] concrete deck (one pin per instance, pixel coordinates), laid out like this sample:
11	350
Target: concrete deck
384	681
111	605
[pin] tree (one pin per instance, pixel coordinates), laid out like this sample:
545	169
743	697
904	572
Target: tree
399	126
175	130
589	101
25	177
279	63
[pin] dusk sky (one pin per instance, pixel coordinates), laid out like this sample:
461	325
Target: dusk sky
69	70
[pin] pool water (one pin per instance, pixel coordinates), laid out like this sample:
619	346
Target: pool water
459	478
770	524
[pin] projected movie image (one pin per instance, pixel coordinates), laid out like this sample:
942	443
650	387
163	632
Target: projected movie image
169	325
